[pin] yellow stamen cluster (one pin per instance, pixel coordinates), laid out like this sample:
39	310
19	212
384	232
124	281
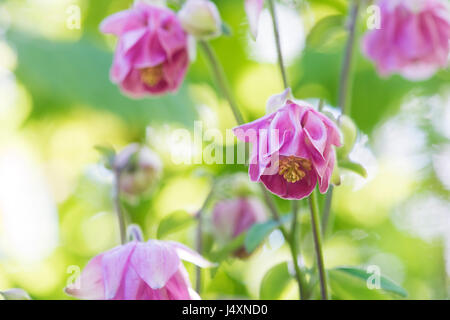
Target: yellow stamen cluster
151	75
293	168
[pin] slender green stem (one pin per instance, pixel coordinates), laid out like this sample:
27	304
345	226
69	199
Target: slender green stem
221	80
345	83
344	90
318	244
294	251
277	41
118	207
199	239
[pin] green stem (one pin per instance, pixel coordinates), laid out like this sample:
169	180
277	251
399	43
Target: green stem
345	85
199	239
318	244
344	89
118	207
277	42
221	80
294	251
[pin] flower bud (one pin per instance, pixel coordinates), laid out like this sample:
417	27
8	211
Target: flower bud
233	216
235	185
14	294
349	132
201	19
139	169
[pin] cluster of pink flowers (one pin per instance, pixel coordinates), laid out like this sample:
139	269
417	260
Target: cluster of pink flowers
293	146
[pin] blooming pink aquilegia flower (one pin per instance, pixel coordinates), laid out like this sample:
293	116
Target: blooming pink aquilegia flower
231	217
292	148
151	56
149	270
413	39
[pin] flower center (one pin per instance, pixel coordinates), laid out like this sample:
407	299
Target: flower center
152	75
293	168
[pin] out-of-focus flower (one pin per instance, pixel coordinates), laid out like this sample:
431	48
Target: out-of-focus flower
413	39
151	56
201	19
14	294
149	270
139	167
253	9
292	149
233	216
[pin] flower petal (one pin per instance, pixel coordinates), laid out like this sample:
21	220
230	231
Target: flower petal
89	285
253	9
114	263
155	262
189	255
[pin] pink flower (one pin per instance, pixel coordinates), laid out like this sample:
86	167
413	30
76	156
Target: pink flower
232	217
413	39
292	148
151	56
149	270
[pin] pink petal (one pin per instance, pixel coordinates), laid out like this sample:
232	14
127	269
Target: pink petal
155	262
324	181
253	9
90	283
178	286
114	263
121	22
189	255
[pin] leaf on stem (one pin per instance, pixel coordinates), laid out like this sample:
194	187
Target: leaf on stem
174	222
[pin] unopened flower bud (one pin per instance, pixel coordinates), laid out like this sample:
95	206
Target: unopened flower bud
14	294
232	217
201	19
349	132
139	168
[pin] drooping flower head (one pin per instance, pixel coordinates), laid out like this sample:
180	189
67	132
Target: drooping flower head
292	148
149	270
231	217
151	56
413	39
140	169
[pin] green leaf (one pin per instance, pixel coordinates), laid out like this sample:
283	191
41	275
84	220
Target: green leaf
259	231
353	166
174	222
324	30
275	282
355	279
225	283
232	246
108	153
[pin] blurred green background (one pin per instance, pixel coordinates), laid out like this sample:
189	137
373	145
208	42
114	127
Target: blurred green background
57	104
